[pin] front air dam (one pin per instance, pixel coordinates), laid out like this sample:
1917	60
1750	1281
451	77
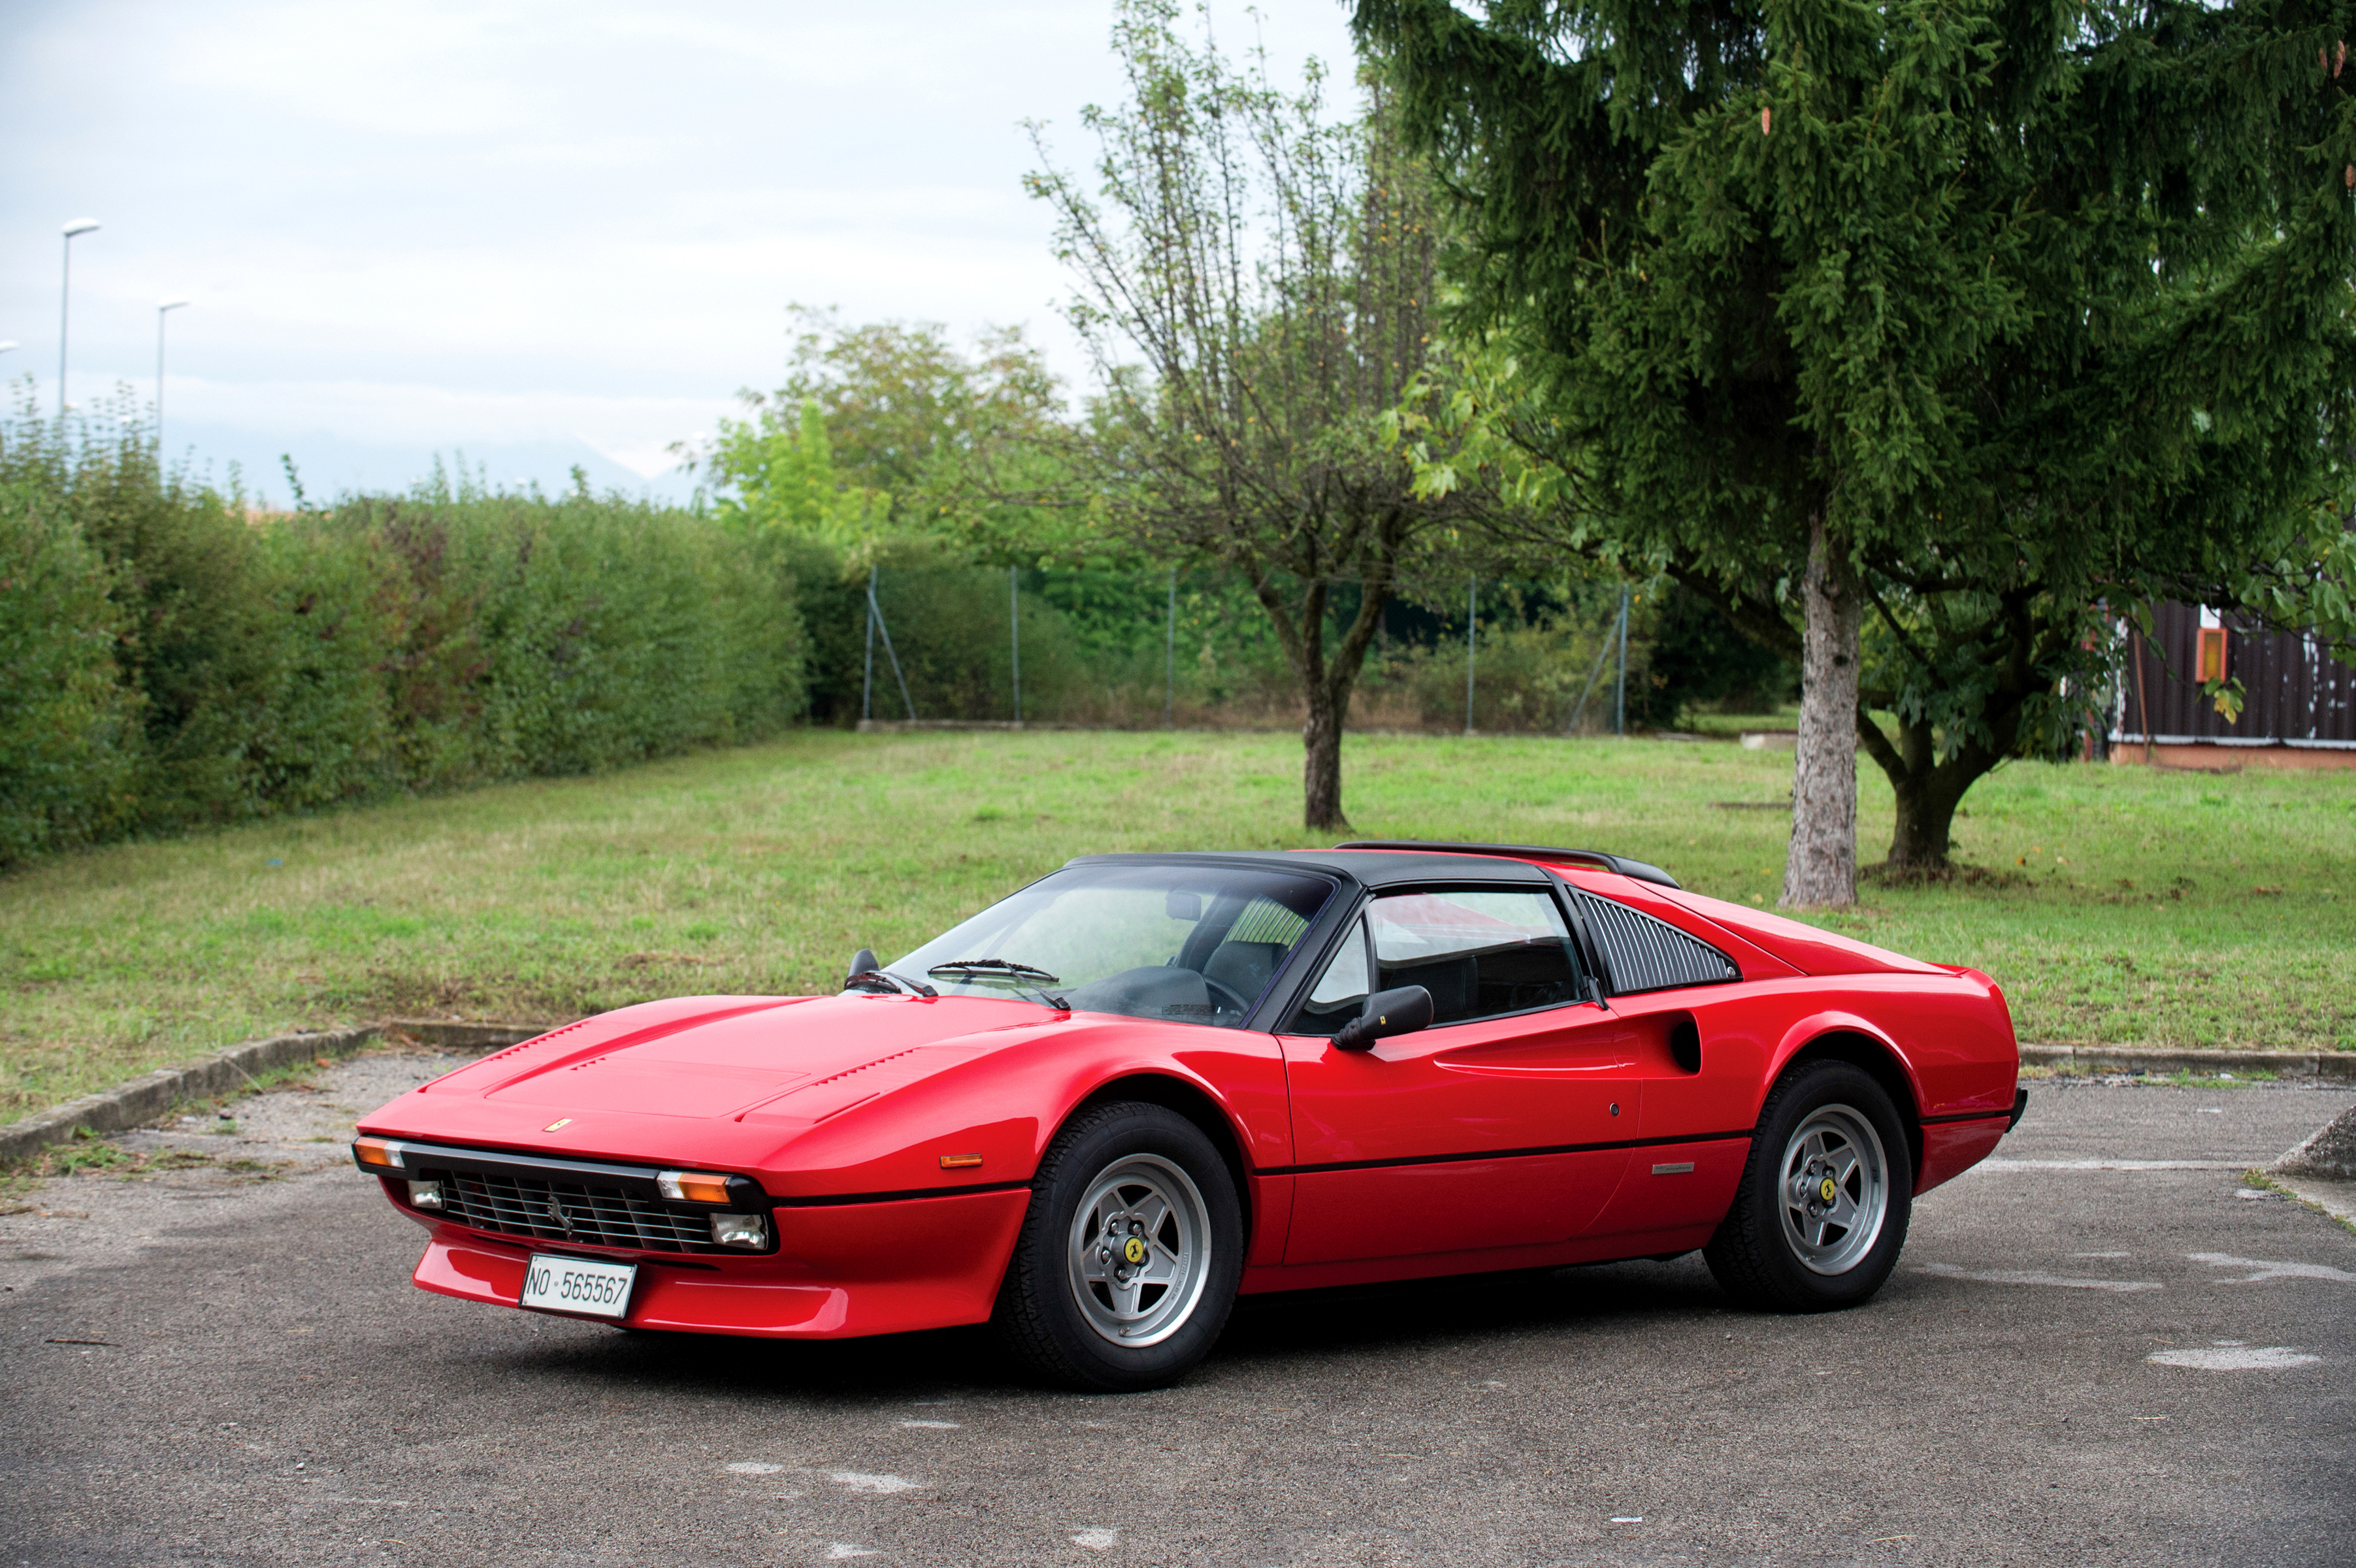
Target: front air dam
885	1267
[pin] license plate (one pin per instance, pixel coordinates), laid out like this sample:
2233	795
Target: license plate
577	1284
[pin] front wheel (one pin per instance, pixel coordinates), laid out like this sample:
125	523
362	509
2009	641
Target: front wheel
1822	1207
1125	1266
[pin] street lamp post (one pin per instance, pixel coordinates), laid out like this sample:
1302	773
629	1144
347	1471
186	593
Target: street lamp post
163	306
65	296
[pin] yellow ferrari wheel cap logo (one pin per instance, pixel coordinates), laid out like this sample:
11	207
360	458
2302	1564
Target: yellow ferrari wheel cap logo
1829	1191
1133	1249
559	1121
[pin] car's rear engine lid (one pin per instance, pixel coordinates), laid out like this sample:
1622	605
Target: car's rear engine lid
1808	948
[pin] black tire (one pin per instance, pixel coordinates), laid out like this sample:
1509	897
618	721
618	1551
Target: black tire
1761	1255
1039	1314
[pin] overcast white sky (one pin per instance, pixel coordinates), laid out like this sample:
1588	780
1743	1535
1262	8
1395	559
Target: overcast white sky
540	232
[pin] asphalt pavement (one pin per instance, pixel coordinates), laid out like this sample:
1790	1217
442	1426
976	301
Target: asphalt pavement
2104	1348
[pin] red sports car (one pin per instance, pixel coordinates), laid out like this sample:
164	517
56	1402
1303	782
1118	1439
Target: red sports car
1098	1111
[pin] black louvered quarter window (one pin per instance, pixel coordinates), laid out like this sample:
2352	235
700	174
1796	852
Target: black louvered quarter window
1646	954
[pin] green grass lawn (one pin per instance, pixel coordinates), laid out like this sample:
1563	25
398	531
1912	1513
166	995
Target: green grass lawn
2166	908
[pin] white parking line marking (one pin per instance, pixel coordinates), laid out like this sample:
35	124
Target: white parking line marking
1097	1539
857	1481
2266	1271
842	1550
2260	1358
932	1425
753	1468
2100	1165
2031	1277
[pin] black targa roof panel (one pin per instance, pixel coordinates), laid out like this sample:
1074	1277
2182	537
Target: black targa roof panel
1640	870
1367	870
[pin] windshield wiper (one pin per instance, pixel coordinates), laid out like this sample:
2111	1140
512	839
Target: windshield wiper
1022	976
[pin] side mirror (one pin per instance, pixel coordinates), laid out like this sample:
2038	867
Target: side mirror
862	961
1400	1011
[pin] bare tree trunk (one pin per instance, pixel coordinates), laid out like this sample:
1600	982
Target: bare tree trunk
1320	764
1822	867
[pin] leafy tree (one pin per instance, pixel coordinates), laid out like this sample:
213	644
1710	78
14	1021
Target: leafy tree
1271	268
1948	318
780	478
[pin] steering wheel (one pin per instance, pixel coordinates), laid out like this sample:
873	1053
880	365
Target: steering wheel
1240	1004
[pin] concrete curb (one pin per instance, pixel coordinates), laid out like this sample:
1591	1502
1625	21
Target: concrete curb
2328	1067
2336	1198
144	1099
2330	1155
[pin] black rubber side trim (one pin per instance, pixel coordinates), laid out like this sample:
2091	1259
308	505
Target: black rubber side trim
2019	1108
1504	1154
1620	863
837	1200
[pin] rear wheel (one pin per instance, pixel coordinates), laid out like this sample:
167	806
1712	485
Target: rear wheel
1821	1214
1125	1266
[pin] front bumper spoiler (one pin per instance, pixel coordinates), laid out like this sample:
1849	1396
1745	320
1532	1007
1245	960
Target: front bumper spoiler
839	1271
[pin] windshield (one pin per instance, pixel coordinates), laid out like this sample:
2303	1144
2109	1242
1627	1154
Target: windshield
1195	944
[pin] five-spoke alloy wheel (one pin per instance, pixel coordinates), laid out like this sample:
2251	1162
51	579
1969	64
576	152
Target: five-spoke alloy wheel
1127	1264
1821	1213
1140	1251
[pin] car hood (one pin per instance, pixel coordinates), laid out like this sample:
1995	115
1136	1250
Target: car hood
724	1080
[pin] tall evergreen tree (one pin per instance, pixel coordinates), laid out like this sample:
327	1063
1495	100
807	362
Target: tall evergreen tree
1953	320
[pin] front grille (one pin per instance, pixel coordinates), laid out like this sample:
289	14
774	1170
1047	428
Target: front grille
592	1216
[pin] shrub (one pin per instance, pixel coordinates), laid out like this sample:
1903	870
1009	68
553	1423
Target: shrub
172	658
68	724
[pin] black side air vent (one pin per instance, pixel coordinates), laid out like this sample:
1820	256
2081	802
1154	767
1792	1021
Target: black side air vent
1646	954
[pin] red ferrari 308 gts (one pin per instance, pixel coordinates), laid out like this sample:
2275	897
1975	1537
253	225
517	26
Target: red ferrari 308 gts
1097	1112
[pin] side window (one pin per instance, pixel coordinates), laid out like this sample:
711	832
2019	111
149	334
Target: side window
1340	992
1479	953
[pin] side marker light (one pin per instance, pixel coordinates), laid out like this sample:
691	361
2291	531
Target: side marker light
960	1162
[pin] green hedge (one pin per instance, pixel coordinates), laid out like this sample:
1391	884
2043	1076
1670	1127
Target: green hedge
169	658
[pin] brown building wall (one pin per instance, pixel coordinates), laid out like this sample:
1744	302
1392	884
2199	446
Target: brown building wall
2299	704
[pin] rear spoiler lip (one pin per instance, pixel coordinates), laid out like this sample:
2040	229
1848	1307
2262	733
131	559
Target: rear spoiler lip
1618	863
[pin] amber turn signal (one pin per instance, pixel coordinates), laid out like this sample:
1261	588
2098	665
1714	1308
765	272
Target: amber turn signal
381	1153
693	1187
960	1162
